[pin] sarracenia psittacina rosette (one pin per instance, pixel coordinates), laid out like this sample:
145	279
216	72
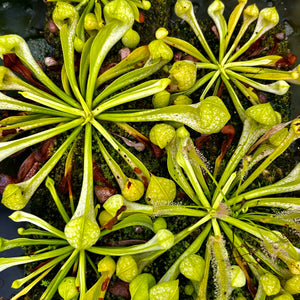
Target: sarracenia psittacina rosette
76	110
229	65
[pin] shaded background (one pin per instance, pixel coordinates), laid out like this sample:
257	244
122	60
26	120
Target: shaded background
27	18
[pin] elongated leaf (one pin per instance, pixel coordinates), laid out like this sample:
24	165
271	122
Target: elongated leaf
21	242
60	275
215	11
67	36
21	216
293	134
21	260
277	220
267	19
113	165
209	116
16	196
238	242
10	82
119	20
80	33
137	166
13	104
185	47
9	148
250	14
269	60
84	65
82	231
140	91
174	271
137	56
25	291
279	87
233	19
48	266
177	173
286	203
15	44
49	103
28	125
132	220
221	265
129	78
184	10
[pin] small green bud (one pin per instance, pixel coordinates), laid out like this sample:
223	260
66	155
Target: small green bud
107	264
294	266
11	43
270	283
183	8
81	232
267	19
113	204
131	39
161	33
263	114
119	10
296	126
165	290
140	285
165	238
161	134
90	22
295	75
161	99
64	13
67	288
161	191
238	278
146	4
183	100
78	44
292	285
183	75
192	267
127	268
213	114
279	87
216	8
189	289
133	189
13	197
182	133
250	12
21	230
104	217
277	138
159	223
2	243
158	49
285	296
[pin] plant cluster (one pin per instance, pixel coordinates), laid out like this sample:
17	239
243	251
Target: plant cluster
231	215
232	66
